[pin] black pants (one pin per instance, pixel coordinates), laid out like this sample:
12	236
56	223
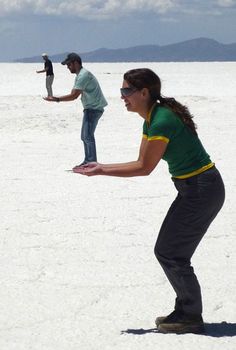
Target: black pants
198	201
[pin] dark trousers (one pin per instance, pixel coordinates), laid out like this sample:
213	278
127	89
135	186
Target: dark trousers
198	201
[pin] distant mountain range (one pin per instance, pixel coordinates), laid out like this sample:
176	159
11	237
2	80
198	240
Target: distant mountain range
195	50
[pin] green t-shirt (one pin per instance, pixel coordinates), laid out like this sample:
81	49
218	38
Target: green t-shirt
185	153
92	96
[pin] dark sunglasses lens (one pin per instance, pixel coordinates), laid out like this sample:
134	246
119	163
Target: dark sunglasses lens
126	91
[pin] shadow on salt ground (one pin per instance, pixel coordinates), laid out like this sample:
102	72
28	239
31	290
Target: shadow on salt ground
217	330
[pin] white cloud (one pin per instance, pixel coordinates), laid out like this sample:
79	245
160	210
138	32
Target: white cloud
84	8
100	9
226	3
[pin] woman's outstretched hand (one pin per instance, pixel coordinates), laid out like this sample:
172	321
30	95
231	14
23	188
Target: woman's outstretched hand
89	169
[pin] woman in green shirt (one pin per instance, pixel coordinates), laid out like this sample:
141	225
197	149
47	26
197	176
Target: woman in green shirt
169	133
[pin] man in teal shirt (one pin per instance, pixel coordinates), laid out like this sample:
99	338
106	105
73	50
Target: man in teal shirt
92	99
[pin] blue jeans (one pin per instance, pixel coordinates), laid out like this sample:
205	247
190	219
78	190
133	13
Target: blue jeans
90	121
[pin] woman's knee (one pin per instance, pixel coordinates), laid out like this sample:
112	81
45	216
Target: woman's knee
159	252
165	253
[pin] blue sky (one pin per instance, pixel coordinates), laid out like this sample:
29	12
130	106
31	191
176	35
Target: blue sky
30	27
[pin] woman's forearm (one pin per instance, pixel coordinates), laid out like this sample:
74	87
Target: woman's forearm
130	169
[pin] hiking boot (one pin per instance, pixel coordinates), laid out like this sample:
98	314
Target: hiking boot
196	327
159	320
180	323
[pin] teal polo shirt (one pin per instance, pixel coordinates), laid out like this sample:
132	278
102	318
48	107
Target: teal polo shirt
185	153
92	96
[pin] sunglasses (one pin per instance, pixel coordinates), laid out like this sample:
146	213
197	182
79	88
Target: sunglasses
127	91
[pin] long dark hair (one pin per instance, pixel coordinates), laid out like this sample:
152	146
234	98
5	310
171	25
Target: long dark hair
145	78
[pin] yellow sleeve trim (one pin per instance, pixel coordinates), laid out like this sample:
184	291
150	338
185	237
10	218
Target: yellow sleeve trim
145	136
162	138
